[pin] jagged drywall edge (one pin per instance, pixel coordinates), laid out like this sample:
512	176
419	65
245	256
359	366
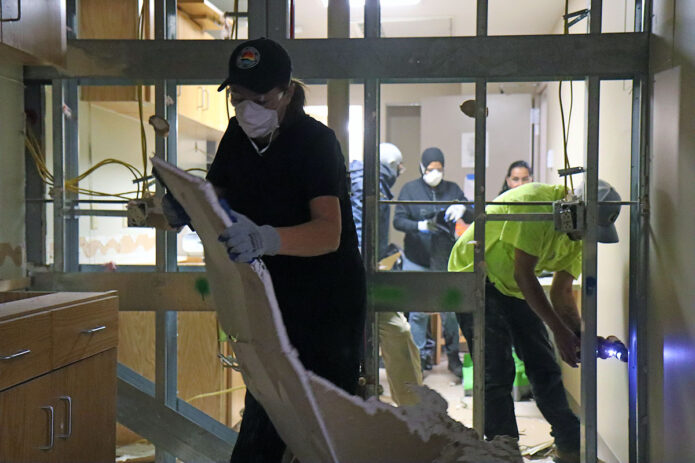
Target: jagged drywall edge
428	420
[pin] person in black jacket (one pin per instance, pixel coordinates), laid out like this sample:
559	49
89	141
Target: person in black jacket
429	239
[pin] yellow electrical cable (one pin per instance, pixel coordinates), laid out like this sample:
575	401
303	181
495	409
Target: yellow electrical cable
46	176
140	89
216	393
143	144
34	149
72	185
219	352
105	162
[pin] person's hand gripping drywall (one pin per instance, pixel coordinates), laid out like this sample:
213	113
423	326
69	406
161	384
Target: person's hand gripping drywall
245	240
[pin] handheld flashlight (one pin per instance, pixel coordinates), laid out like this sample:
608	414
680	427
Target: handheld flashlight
611	347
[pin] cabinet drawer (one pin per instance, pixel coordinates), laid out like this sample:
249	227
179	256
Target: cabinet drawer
25	349
81	330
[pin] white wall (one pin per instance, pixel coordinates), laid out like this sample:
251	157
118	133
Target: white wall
508	134
671	287
108	134
12	239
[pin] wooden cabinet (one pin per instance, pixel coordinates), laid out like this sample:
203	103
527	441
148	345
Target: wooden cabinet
200	103
58	378
38	34
202	110
27	419
200	371
205	105
25	356
85	428
204	13
108	19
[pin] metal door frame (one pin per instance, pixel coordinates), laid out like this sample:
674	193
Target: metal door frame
371	61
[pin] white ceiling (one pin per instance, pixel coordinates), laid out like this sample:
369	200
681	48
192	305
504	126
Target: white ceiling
432	18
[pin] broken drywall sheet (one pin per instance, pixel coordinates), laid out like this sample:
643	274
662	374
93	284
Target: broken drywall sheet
318	421
419	433
248	312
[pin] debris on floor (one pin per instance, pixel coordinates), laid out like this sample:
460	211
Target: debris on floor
317	420
137	452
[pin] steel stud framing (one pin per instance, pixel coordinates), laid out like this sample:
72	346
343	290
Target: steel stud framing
373	61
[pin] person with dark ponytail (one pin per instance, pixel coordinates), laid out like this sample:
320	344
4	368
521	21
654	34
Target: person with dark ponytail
518	173
284	179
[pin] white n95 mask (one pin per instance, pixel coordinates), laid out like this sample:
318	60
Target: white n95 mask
433	177
255	120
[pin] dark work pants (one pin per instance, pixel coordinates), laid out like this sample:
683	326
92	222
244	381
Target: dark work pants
510	321
258	441
332	353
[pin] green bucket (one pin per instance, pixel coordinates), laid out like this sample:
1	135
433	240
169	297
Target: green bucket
519	380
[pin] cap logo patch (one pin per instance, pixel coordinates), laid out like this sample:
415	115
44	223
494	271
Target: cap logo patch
248	58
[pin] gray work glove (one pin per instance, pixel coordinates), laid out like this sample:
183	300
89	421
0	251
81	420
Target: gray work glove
245	240
174	212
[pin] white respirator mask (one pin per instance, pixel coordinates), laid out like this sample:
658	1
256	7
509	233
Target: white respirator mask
433	177
255	120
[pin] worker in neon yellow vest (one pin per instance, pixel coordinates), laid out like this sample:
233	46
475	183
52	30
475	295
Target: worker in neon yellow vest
517	309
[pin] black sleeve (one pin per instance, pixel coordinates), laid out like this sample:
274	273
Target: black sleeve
402	219
458	193
217	171
323	167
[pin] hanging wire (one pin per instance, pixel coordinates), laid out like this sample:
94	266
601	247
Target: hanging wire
140	90
72	185
566	127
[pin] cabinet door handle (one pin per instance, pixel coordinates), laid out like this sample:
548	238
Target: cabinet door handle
68	418
202	97
94	330
51	419
16	354
206	99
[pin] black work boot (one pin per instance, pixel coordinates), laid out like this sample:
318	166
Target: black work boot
426	362
566	456
455	366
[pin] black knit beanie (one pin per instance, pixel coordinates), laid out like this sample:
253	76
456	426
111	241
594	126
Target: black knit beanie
431	155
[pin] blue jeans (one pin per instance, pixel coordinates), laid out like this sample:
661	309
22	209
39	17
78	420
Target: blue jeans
418	321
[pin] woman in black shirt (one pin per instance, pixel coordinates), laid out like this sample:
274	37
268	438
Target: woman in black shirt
283	176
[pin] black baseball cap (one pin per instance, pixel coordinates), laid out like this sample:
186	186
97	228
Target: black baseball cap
259	65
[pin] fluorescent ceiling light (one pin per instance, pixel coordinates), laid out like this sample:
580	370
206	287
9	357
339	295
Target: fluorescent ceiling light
360	3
